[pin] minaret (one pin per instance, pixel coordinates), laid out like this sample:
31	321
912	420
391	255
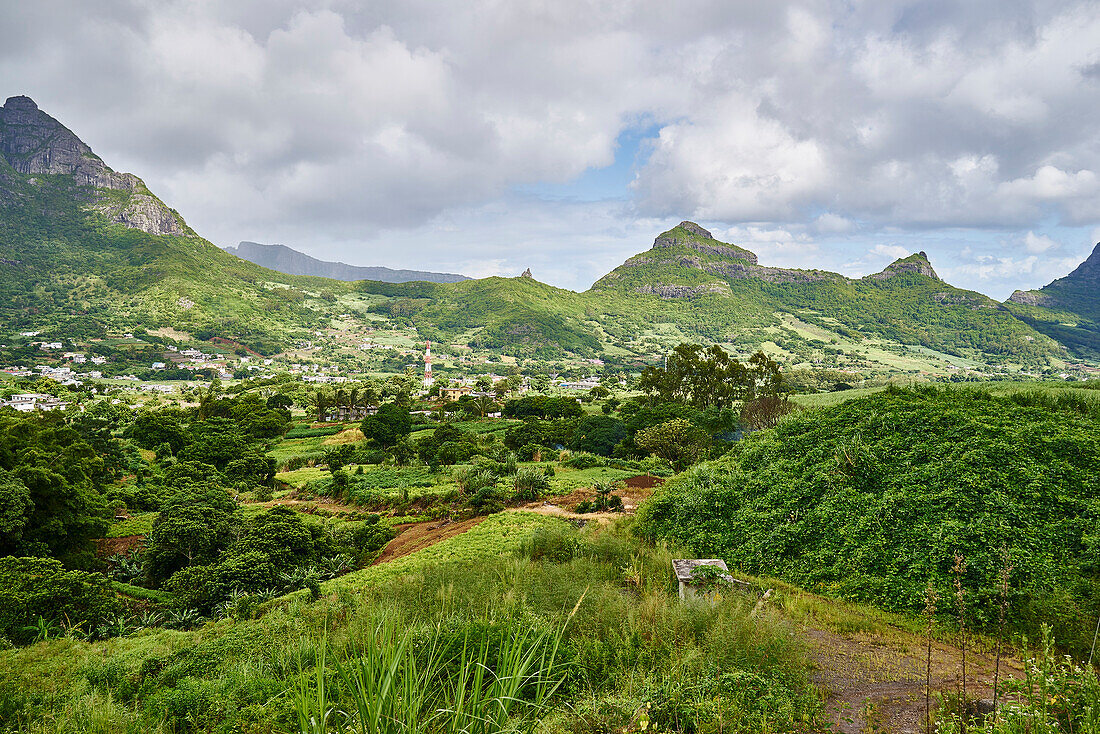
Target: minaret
427	364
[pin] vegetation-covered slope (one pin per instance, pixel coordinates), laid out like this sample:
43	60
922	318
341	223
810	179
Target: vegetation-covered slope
907	302
1067	310
519	315
66	265
870	500
84	248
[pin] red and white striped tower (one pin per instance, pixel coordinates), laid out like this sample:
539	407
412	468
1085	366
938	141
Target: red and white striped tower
427	364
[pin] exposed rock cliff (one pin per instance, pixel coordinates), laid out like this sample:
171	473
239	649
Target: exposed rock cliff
1032	298
1089	270
1079	285
32	142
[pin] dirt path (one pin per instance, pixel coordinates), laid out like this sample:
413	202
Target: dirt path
871	682
876	682
637	490
414	536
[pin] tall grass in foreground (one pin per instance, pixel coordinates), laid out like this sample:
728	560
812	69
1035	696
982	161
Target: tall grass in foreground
444	642
399	683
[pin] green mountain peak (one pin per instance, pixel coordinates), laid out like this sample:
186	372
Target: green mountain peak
1067	309
917	263
691	236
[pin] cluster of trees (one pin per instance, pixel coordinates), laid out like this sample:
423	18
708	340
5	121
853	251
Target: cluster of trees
203	551
694	407
58	492
707	377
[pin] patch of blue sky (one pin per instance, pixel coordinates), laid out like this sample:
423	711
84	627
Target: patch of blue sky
610	183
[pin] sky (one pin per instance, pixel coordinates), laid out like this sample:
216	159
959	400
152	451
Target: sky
488	136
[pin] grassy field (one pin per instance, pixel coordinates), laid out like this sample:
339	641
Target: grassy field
629	645
139	524
824	400
566	479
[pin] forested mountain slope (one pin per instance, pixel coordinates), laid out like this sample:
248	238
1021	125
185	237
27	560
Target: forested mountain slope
84	249
1068	309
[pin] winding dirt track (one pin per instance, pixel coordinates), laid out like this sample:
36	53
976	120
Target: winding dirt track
876	683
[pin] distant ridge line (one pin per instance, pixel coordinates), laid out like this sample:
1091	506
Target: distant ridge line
292	262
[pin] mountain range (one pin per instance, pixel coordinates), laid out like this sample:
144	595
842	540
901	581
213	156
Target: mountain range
290	261
85	249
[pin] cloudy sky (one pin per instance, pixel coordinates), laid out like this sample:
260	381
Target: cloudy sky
484	137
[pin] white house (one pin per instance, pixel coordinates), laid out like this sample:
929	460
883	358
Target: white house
29	402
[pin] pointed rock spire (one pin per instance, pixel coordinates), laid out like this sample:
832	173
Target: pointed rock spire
916	263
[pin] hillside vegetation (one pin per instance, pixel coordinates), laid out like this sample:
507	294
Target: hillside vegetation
74	274
74	264
872	499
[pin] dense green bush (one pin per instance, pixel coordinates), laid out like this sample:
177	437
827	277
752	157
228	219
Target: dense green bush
32	588
871	499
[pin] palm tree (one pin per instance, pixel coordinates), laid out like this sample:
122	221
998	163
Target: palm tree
322	406
484	405
371	396
339	396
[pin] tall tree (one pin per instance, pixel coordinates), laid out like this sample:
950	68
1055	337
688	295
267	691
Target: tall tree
710	378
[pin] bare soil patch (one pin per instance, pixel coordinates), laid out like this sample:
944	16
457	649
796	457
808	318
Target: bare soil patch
638	490
877	683
123	546
643	481
415	536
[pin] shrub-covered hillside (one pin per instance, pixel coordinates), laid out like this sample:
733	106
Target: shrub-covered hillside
871	499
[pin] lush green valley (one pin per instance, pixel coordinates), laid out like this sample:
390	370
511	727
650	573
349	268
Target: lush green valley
233	500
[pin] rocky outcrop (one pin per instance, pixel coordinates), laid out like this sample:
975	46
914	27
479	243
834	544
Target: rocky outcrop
32	143
1032	298
742	271
141	211
1076	291
526	274
685	291
692	236
917	263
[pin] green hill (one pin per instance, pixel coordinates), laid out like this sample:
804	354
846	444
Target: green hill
906	303
1067	310
84	249
870	500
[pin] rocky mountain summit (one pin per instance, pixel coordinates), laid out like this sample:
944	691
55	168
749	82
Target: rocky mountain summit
1084	280
33	143
1089	270
1067	309
917	263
